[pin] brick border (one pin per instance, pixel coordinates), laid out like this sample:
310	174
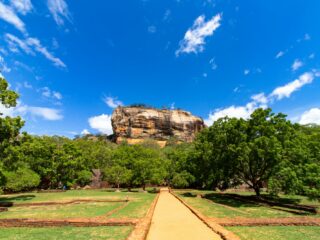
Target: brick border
141	230
217	228
289	221
20	222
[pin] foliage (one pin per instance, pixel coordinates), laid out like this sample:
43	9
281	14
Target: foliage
21	180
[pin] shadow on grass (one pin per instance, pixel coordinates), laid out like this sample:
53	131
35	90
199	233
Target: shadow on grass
9	201
289	205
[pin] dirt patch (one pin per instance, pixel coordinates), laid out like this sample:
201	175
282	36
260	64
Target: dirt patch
291	221
3	209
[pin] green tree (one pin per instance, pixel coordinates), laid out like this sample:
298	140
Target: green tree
117	175
21	180
9	127
246	150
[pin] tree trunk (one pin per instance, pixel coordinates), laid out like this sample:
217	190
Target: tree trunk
144	187
257	190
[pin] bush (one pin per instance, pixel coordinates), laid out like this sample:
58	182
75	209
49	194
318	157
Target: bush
21	180
182	180
84	178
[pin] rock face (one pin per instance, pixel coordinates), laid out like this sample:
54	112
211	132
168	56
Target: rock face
134	124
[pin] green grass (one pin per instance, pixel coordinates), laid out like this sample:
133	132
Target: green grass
62	233
83	210
64	196
139	203
277	233
219	206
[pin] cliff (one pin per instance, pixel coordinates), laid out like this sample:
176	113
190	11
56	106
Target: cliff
137	123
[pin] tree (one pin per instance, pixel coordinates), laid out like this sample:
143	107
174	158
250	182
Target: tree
9	127
246	150
117	175
21	180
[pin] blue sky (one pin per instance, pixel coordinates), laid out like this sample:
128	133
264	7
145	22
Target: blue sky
74	61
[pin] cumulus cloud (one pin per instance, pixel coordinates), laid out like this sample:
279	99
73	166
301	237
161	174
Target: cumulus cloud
59	11
261	101
21	109
22	6
85	132
8	14
50	114
194	38
296	65
102	123
112	102
258	101
30	46
310	116
289	88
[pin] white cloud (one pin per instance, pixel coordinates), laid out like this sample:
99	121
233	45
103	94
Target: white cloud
46	113
85	132
102	123
310	116
312	55
232	112
7	14
59	11
48	93
3	66
15	42
29	45
213	64
22	6
261	101
260	98
50	114
43	50
246	71
279	54
194	38
296	65
289	88
112	102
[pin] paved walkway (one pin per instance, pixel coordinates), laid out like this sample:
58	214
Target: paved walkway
174	221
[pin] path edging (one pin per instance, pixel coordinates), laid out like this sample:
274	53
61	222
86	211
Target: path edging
217	228
141	230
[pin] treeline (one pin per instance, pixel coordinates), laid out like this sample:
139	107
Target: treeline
265	151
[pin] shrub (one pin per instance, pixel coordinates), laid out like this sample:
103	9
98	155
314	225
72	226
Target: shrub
21	180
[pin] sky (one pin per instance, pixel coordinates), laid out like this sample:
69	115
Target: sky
73	62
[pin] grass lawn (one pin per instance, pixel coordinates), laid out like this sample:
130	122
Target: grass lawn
277	233
219	206
65	196
137	207
70	233
84	210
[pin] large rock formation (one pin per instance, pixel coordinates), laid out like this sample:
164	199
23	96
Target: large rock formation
134	124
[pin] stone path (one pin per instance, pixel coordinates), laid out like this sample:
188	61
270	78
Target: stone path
174	221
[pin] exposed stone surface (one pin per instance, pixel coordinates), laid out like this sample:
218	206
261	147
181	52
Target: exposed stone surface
135	124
